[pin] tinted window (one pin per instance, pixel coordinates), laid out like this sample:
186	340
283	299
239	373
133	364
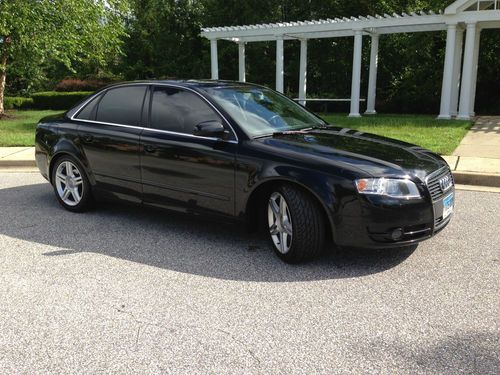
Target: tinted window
261	111
88	112
178	110
122	105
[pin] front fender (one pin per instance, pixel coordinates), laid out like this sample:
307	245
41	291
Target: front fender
329	190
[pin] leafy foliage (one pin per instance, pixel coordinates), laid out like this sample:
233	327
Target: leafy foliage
53	39
37	34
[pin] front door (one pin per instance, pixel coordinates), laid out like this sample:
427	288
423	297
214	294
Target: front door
180	170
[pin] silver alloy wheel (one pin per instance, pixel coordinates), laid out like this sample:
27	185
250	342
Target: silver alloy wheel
280	222
69	183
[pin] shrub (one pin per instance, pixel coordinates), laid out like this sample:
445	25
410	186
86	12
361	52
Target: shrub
17	102
57	100
75	84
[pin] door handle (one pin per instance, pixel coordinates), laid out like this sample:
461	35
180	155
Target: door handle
149	148
87	138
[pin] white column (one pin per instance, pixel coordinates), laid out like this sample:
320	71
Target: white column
356	74
475	63
303	72
372	79
213	59
457	64
279	64
446	88
241	62
467	72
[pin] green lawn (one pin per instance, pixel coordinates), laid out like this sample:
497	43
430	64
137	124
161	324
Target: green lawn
19	129
440	136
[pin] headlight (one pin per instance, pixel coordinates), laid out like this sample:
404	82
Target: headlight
404	189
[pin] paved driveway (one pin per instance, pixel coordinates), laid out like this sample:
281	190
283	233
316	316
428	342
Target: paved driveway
130	290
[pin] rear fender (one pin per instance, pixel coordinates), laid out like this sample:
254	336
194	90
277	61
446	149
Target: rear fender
67	147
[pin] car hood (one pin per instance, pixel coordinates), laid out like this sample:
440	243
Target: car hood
373	154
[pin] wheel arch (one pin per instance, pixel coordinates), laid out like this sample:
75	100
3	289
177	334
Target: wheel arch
259	192
66	148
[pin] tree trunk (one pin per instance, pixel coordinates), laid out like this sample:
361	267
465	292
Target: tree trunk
3	72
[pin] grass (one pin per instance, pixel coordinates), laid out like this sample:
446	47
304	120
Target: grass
440	136
18	129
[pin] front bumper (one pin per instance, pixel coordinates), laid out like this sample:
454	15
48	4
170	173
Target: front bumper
373	221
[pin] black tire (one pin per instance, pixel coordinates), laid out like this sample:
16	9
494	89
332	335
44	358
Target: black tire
308	224
86	202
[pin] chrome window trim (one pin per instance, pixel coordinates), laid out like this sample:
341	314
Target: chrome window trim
159	131
148	128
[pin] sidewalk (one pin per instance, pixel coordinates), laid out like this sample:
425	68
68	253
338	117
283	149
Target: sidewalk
476	161
17	157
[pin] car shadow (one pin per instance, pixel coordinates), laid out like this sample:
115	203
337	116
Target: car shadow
172	241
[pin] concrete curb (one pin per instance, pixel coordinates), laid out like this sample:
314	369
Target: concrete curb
17	163
478	179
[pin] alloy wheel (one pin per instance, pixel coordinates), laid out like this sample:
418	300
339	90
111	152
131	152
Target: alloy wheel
69	183
280	222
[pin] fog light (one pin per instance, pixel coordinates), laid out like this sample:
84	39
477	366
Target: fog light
397	234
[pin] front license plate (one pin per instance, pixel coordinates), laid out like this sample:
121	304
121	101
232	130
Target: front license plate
447	206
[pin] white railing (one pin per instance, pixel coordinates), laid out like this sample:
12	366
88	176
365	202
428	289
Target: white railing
486	5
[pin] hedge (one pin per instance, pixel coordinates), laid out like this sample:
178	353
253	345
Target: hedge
17	102
57	100
75	84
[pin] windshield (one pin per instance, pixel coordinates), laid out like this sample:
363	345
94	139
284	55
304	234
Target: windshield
261	111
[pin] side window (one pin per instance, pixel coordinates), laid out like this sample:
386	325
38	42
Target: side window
179	110
122	105
88	112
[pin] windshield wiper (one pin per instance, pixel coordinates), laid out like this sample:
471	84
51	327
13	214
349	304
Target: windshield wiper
301	130
293	131
319	127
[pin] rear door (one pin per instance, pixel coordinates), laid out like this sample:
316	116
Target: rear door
109	130
180	170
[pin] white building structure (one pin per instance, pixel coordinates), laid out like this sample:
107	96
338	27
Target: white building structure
462	17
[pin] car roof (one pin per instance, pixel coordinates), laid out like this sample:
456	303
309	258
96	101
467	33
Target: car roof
192	83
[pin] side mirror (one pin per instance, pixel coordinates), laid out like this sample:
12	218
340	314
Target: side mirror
210	129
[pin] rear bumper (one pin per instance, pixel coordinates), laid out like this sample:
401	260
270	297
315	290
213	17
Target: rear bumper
42	160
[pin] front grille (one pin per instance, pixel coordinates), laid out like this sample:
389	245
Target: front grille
433	182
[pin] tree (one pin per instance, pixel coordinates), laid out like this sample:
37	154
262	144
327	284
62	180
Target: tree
164	40
33	32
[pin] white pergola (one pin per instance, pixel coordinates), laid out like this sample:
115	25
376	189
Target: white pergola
467	17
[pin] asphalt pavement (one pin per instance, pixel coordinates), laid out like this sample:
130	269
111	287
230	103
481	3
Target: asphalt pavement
124	289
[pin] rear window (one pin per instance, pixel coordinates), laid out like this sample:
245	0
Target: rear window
88	112
122	105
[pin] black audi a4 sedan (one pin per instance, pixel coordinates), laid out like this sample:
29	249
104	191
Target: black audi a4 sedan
248	153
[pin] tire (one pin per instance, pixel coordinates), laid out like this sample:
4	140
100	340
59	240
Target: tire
298	234
71	185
